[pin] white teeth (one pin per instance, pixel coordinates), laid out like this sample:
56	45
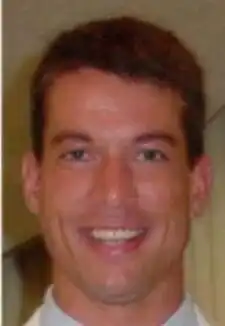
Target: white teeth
115	235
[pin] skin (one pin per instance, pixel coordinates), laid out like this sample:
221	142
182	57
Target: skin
115	157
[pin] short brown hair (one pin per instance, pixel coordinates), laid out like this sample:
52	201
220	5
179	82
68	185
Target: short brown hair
130	48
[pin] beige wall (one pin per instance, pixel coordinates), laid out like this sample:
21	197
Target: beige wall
29	24
206	254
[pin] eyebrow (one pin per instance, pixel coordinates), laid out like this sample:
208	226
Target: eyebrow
143	138
70	135
157	136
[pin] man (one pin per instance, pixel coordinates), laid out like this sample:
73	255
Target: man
116	173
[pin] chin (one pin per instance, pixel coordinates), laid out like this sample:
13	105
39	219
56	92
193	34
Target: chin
115	290
114	296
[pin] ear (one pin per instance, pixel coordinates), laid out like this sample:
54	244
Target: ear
201	184
31	182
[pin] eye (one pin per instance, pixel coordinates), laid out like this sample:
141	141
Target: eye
154	155
79	155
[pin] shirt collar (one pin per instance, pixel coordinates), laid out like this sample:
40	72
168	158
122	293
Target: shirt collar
52	315
185	315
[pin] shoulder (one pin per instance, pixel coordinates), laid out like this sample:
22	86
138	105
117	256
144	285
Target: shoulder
34	319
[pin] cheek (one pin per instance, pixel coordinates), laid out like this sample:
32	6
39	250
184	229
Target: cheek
61	206
164	194
165	202
65	189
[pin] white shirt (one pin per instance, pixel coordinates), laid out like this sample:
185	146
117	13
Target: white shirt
49	314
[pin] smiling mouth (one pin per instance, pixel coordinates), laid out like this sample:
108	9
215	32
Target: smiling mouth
115	236
111	242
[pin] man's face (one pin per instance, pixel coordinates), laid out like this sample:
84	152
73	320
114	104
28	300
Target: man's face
114	191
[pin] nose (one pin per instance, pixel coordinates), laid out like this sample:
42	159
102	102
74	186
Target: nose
116	182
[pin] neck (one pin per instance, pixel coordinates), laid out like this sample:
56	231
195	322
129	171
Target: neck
154	310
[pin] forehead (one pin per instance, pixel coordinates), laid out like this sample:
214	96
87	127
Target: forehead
92	98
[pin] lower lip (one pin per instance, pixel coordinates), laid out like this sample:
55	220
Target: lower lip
113	250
